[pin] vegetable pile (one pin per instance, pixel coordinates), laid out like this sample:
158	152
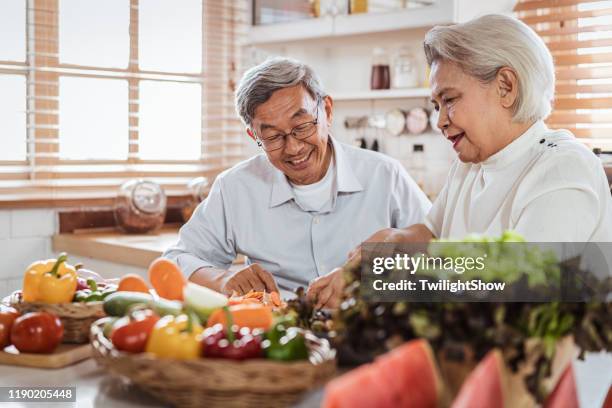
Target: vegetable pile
185	321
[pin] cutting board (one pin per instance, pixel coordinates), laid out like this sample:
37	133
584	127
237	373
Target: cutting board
64	355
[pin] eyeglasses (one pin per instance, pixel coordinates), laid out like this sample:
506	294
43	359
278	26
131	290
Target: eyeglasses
300	132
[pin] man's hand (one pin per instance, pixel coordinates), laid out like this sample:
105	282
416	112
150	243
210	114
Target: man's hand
326	290
250	277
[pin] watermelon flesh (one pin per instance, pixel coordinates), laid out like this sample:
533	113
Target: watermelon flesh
483	387
564	395
406	377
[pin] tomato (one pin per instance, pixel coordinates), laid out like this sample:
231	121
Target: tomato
7	318
130	333
38	332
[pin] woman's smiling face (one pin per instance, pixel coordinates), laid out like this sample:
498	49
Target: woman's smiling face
469	111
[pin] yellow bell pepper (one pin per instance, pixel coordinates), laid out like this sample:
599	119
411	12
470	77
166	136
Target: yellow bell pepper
176	337
50	281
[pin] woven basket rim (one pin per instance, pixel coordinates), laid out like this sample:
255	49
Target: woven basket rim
85	309
111	352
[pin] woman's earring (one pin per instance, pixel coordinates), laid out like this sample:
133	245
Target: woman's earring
258	143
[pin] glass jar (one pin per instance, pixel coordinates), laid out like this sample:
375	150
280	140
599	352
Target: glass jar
405	73
380	78
140	206
198	188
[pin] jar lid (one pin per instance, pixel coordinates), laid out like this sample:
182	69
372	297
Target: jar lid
148	197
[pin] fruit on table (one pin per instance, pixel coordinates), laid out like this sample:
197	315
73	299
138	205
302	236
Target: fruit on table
8	315
407	376
167	279
118	304
130	333
37	332
50	281
251	315
176	337
202	300
565	395
132	283
483	387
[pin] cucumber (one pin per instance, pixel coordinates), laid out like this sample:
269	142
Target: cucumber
165	307
118	303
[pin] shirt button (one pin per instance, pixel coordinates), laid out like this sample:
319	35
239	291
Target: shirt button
315	220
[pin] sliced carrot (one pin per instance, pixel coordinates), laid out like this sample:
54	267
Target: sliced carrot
167	279
275	298
133	283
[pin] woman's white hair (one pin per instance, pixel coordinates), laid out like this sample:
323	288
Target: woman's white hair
484	45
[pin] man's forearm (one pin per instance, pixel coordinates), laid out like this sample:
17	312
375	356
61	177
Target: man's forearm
210	277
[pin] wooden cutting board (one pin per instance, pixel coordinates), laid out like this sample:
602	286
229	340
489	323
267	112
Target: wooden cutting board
64	355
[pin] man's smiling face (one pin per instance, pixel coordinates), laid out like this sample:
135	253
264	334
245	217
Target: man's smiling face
302	161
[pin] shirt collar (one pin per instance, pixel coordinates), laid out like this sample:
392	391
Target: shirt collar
516	148
346	180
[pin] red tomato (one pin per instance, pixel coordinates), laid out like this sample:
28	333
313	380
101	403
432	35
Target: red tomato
7	318
38	332
130	333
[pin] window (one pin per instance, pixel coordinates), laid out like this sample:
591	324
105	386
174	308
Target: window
579	35
98	92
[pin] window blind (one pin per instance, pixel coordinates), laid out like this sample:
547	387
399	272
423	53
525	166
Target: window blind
579	36
46	173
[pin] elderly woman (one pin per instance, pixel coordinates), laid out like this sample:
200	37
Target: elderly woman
492	83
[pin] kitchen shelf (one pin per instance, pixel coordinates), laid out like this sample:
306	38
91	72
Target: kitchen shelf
441	12
381	94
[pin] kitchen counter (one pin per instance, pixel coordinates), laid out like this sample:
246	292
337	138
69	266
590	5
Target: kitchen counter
114	246
96	388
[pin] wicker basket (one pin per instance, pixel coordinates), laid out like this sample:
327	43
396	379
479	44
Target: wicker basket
217	382
76	317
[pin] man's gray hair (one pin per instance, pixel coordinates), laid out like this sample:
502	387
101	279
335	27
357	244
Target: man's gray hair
481	47
259	82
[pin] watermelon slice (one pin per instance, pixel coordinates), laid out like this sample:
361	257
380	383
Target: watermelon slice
564	395
483	387
406	377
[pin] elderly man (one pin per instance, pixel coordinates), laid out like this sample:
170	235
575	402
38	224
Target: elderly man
297	209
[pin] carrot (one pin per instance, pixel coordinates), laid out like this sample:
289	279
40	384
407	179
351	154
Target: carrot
252	315
275	298
167	279
132	283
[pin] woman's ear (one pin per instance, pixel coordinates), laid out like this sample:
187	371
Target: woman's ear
507	86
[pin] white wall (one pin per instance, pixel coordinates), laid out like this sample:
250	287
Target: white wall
25	237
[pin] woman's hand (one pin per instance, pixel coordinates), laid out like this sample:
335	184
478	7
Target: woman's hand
417	233
326	290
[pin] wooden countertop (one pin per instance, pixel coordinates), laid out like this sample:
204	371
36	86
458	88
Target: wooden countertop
114	246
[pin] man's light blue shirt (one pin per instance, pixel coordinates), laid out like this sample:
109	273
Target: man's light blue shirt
251	210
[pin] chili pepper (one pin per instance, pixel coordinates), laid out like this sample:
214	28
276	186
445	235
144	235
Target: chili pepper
50	281
176	337
93	293
233	343
285	344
